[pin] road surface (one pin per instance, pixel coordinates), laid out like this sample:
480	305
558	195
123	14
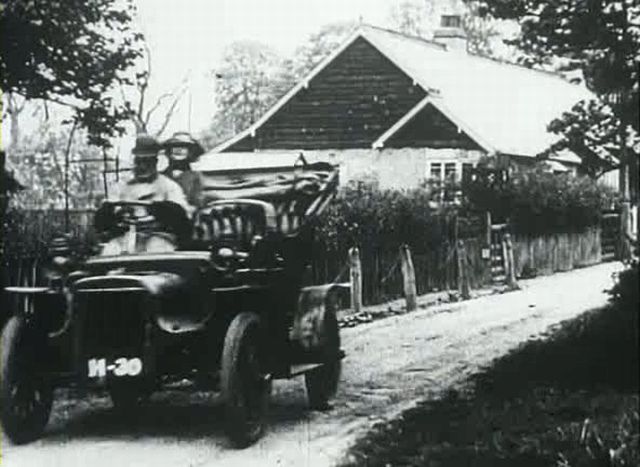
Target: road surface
391	364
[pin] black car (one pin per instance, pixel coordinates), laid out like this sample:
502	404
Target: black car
217	301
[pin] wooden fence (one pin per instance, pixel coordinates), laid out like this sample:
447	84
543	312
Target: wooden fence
436	268
546	254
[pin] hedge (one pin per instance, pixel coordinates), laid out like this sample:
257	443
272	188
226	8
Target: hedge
533	201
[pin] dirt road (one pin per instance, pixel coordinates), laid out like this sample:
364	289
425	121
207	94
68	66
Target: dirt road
390	364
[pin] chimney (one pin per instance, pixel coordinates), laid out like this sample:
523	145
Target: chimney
451	34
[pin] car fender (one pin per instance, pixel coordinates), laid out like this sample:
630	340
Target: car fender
314	303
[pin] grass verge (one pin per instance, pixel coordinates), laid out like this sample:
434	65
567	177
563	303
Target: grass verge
570	400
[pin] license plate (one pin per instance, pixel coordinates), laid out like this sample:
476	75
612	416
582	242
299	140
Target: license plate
119	367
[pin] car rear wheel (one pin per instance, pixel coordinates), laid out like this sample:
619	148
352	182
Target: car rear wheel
245	385
322	382
25	394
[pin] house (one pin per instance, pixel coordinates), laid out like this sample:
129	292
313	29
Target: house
404	109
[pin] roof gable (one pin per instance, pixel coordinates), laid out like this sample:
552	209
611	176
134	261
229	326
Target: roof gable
502	107
348	104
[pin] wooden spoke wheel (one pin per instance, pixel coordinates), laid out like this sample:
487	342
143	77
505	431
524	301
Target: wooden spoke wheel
245	385
322	382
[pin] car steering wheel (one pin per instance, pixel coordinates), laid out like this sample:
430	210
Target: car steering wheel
117	216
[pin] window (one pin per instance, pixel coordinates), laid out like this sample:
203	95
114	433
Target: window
436	170
450	171
450	21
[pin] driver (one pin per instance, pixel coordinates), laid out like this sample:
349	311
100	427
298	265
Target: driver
147	185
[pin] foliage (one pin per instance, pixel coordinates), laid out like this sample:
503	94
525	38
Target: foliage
536	201
315	49
39	161
592	131
602	39
72	52
27	233
420	18
252	77
625	294
365	215
413	17
246	86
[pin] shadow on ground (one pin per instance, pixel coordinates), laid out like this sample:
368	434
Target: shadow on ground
570	400
176	415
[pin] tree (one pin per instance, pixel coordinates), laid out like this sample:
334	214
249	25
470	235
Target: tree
602	39
71	52
591	130
39	161
252	77
165	104
316	48
421	18
248	82
414	17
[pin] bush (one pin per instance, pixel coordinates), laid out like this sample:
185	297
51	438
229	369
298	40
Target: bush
534	201
625	294
384	219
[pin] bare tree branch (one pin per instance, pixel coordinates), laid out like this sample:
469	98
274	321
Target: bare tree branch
157	105
170	112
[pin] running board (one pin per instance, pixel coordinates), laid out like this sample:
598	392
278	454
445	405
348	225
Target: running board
301	368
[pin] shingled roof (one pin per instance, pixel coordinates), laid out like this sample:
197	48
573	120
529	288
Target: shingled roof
505	108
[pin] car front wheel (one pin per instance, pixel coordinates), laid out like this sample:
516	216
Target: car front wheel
245	385
25	394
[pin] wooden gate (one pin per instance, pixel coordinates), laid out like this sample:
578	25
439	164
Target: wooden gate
498	256
611	231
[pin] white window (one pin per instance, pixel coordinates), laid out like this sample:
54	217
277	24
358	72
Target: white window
441	170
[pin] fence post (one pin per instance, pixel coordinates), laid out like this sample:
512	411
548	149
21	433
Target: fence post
355	267
408	278
512	283
488	226
463	275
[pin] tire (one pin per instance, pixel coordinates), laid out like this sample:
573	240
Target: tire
25	394
322	383
245	386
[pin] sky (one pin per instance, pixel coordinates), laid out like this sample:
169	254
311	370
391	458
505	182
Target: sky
187	38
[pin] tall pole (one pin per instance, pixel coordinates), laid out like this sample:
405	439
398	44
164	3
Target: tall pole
104	173
67	163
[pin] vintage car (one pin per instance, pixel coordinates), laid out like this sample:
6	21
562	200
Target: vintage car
216	301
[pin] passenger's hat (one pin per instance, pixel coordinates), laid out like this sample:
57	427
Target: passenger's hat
182	139
146	146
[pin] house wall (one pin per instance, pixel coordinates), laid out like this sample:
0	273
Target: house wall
393	168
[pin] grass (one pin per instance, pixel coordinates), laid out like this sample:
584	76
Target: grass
571	400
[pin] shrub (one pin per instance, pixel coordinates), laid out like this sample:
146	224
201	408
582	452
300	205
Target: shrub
384	219
534	201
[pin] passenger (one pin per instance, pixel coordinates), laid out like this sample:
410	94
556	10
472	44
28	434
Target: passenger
147	185
181	150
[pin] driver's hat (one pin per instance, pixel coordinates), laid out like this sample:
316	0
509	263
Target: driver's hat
146	146
182	139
